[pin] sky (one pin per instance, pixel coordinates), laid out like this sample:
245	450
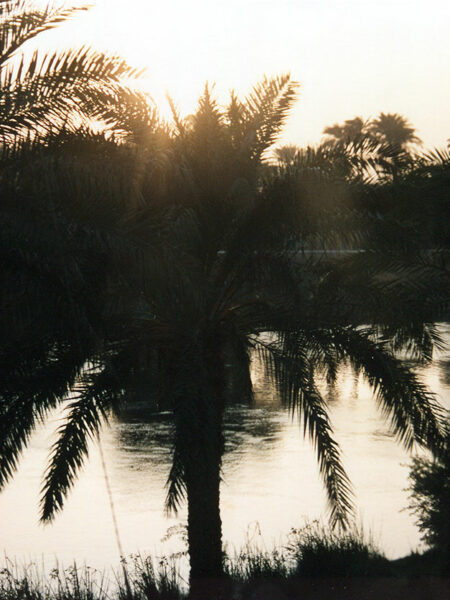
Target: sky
351	57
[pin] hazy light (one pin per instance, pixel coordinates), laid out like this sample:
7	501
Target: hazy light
352	57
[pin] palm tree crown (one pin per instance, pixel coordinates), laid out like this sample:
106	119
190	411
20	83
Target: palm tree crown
394	130
351	130
173	293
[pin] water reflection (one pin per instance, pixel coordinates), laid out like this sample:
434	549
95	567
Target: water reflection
148	439
148	434
270	476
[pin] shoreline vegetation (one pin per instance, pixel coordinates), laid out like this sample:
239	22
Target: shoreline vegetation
315	563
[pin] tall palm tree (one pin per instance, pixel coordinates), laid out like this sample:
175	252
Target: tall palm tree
48	104
388	128
175	292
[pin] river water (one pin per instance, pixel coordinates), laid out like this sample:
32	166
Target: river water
270	484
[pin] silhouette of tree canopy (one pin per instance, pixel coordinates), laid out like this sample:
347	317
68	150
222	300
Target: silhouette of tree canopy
166	264
385	142
393	130
163	261
397	192
351	130
390	129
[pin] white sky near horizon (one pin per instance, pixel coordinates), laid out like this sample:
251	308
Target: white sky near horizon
351	57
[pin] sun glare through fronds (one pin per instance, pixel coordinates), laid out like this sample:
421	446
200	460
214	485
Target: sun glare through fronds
350	57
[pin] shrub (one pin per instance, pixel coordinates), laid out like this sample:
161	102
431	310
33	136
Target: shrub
320	552
430	501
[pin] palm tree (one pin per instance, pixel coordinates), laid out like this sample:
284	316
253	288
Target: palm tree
395	137
388	128
352	130
379	147
173	293
45	101
48	105
394	130
40	93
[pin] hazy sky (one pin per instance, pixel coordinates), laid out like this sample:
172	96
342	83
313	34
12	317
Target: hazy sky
351	57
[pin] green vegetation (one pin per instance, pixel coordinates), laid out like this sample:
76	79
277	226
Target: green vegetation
313	551
158	260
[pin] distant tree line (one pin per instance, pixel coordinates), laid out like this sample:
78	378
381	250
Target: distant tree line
378	170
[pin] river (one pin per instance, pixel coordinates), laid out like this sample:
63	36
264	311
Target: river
270	480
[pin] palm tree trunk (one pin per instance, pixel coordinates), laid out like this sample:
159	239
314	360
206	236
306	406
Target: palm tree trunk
202	478
204	530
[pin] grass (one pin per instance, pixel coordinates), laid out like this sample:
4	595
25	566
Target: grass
319	552
314	564
30	583
140	581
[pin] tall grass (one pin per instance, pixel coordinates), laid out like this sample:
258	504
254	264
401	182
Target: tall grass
314	563
141	580
310	552
29	582
319	552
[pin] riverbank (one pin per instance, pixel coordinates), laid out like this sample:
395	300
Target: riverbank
314	565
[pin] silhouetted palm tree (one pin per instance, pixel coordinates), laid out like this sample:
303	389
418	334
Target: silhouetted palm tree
352	130
394	130
42	92
388	129
173	293
379	147
48	103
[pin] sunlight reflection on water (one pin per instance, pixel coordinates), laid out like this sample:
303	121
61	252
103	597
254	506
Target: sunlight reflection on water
270	477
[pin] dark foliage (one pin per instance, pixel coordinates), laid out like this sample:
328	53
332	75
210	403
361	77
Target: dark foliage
430	502
161	263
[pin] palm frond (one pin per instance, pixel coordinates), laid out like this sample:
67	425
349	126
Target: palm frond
412	411
177	119
19	23
95	395
42	92
31	387
267	107
292	373
176	484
